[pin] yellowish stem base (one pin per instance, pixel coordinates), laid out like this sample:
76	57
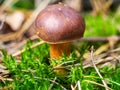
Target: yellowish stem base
56	52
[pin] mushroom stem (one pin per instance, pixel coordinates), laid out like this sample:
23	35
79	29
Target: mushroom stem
57	50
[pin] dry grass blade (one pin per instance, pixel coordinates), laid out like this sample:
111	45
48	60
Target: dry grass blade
87	64
102	49
5	79
97	84
115	50
101	6
79	86
23	50
7	87
92	59
3	72
73	87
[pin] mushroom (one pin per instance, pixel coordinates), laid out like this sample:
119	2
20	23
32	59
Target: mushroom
59	25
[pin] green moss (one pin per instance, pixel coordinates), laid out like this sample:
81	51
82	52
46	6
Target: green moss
98	26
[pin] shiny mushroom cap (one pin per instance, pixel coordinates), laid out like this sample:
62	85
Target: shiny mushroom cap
59	24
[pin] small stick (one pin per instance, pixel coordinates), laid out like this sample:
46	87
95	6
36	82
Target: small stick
50	88
92	59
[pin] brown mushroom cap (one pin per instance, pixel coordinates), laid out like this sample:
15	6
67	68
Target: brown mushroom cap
59	23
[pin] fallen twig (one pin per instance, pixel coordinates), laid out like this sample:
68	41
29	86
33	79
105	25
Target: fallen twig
92	59
97	39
